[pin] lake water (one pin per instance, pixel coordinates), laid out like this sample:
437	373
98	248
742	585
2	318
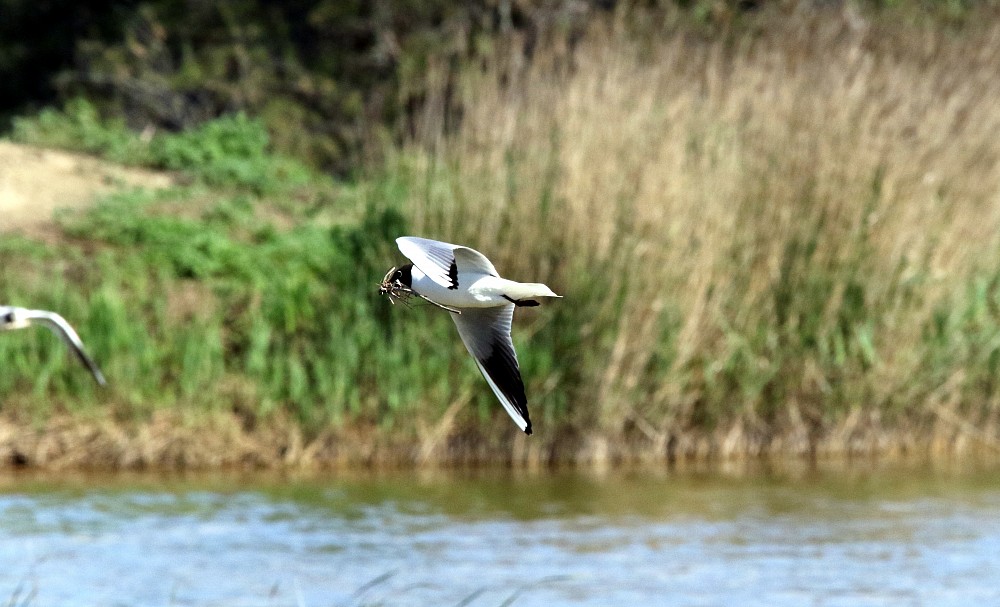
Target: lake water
891	536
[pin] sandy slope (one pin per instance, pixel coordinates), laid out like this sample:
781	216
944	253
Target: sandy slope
34	182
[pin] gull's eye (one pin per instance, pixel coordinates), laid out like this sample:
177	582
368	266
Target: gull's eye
397	276
8	317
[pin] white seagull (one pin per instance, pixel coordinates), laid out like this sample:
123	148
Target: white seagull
21	318
462	281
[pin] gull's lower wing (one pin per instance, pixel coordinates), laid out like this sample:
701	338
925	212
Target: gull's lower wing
64	330
486	334
442	261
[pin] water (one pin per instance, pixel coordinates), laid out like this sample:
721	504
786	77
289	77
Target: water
877	537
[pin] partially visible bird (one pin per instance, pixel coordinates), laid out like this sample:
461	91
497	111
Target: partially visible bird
21	318
464	282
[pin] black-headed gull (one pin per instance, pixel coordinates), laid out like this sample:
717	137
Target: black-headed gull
21	318
462	281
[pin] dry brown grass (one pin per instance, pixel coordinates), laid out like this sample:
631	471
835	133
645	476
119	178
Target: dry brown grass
172	441
782	214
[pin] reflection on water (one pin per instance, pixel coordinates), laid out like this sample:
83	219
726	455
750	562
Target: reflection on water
886	537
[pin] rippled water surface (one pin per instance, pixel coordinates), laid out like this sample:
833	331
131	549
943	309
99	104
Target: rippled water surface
885	537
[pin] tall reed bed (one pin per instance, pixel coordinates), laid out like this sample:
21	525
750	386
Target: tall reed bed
786	240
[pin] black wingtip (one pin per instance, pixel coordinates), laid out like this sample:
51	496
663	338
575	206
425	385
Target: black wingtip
527	303
500	367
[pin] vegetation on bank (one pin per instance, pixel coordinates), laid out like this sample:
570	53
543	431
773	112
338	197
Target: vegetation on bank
789	243
250	288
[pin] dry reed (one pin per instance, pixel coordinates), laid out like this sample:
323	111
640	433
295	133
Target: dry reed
762	239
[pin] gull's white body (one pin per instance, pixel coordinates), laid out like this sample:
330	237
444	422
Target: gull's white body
464	281
12	318
478	290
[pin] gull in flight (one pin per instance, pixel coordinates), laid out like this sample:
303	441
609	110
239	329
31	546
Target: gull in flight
21	318
464	282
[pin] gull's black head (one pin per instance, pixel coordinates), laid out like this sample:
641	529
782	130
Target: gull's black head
7	318
396	283
403	276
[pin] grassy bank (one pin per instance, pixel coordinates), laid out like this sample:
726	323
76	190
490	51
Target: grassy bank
784	242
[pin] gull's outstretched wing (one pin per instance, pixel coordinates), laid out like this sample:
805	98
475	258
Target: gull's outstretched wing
63	329
486	334
443	261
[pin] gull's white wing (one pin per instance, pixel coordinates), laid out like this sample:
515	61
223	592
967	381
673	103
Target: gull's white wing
62	328
443	261
486	334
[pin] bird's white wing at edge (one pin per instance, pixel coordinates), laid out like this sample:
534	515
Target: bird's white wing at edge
486	335
443	261
62	328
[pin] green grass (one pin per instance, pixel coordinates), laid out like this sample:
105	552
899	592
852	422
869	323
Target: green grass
178	308
243	289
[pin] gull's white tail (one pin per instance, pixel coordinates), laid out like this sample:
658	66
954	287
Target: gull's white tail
527	290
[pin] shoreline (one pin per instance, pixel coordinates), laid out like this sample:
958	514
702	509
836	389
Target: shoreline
178	442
